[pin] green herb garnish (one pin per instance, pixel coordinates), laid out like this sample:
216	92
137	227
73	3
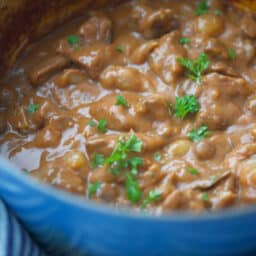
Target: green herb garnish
133	191
232	53
73	40
192	171
158	156
197	135
121	101
195	68
97	160
134	162
153	196
184	40
102	125
202	8
120	48
205	197
92	123
186	105
118	160
32	108
93	187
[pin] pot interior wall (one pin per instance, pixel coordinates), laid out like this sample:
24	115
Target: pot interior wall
22	21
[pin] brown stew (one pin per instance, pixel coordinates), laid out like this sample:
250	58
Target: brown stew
149	105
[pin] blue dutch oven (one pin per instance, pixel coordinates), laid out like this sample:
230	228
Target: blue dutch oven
67	225
64	224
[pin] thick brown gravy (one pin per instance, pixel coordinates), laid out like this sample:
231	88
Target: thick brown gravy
150	105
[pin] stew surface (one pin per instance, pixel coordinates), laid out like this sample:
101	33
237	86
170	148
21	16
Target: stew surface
149	105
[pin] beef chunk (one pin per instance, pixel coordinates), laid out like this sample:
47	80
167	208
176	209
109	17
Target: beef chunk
94	58
125	78
69	77
248	25
242	161
43	71
163	60
153	23
142	52
219	92
96	29
140	115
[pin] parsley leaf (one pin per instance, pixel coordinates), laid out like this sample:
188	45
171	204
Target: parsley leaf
120	48
118	158
197	135
195	67
32	108
133	191
134	162
192	171
93	187
185	105
92	123
134	144
102	126
202	8
205	197
73	40
232	53
184	40
121	101
157	156
153	196
97	160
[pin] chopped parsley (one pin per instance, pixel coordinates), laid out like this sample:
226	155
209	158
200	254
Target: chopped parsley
102	125
187	104
93	188
97	160
133	191
120	48
184	40
121	101
205	197
32	108
158	156
197	135
153	196
217	12
232	53
195	68
92	123
202	8
73	40
192	171
134	162
118	160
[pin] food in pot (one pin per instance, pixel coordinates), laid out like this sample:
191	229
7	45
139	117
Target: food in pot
149	105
